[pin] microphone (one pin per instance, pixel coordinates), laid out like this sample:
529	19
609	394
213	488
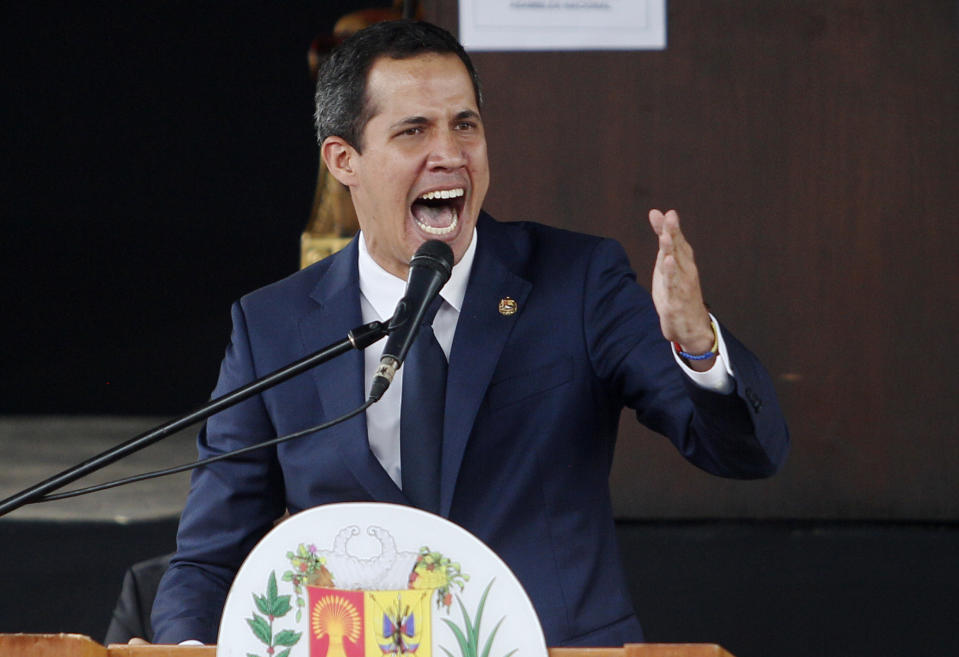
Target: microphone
430	268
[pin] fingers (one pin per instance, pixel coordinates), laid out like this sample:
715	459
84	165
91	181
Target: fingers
671	239
678	240
669	220
656	219
666	224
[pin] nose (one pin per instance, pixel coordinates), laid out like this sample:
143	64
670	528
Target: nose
446	151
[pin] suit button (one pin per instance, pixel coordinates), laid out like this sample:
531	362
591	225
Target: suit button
754	399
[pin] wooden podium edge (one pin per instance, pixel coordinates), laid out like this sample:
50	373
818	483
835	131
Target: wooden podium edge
50	645
79	645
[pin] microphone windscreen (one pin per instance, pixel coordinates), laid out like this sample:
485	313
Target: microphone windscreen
436	254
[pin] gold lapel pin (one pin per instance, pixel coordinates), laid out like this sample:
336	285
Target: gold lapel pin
507	306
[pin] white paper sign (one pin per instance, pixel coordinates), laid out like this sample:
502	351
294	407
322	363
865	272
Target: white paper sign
563	24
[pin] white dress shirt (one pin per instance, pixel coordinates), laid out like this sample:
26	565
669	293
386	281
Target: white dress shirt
380	291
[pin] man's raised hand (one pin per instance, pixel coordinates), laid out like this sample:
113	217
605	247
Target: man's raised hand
676	291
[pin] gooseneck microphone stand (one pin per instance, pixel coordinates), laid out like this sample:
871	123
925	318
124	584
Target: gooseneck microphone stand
359	338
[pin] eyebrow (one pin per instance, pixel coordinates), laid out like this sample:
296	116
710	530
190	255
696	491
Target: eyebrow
410	121
422	120
468	114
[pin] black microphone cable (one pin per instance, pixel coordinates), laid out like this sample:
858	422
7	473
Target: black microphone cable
196	464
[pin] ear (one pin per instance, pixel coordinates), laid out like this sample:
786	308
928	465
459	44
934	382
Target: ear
338	156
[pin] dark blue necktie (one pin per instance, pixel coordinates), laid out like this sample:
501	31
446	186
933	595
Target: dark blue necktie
421	416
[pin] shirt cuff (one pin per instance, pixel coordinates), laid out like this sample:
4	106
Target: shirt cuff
718	378
190	642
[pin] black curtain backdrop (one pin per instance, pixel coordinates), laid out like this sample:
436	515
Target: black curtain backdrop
158	163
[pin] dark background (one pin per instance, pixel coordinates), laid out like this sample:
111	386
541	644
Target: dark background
159	162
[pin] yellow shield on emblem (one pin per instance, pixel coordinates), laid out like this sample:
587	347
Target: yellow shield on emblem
398	622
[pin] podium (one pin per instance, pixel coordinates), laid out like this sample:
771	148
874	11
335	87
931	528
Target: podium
77	645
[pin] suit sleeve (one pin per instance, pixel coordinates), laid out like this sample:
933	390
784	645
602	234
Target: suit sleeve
231	505
742	434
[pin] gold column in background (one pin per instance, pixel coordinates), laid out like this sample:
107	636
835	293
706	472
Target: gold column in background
332	223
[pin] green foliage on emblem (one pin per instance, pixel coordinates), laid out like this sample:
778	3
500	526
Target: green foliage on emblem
468	637
272	606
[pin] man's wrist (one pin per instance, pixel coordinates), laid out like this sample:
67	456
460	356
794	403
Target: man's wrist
715	374
704	349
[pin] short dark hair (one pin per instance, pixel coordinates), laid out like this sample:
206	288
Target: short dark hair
342	107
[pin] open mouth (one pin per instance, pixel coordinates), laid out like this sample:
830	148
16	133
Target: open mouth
438	212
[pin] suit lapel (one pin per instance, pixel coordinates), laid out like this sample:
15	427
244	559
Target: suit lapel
339	382
481	333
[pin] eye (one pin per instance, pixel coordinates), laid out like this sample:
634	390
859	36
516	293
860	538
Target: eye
466	125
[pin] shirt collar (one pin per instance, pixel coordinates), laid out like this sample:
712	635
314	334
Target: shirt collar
383	290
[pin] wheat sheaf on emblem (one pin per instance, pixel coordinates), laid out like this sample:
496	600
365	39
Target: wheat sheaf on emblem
338	619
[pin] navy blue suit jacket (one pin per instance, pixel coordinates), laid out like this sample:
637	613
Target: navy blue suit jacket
533	403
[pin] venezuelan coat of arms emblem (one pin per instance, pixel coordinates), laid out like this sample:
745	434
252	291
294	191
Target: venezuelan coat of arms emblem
362	592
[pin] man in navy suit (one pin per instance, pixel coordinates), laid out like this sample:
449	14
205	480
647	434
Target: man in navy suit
547	336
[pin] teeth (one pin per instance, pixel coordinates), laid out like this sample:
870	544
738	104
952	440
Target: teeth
433	230
443	193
